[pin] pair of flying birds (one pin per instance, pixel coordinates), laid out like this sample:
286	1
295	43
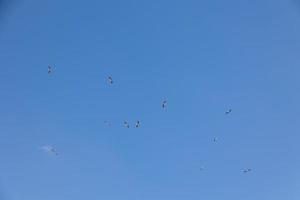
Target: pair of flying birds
137	124
109	79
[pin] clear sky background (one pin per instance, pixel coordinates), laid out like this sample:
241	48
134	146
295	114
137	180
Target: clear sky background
203	56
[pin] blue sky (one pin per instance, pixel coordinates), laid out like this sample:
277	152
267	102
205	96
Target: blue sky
202	56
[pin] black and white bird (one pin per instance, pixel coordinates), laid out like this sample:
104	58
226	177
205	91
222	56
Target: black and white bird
126	124
110	80
228	111
247	170
50	149
164	104
137	125
49	69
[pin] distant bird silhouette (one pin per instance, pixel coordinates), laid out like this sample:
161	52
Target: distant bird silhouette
228	111
126	124
110	80
215	139
164	104
108	123
247	170
49	69
137	125
50	149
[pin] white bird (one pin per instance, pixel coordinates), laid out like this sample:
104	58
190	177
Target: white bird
50	149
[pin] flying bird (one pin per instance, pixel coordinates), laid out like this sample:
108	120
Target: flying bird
126	124
108	123
215	139
247	170
137	125
228	111
164	104
50	149
110	80
49	69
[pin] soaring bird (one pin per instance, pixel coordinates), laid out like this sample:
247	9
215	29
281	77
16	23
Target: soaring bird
126	124
164	104
50	149
247	170
228	111
108	123
49	69
137	125
110	80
